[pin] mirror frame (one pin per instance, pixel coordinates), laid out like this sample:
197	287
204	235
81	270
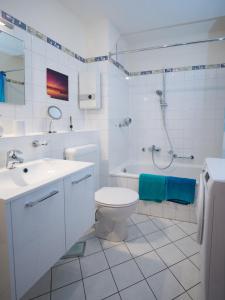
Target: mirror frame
49	113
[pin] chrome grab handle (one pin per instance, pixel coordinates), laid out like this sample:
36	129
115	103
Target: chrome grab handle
81	179
184	157
33	203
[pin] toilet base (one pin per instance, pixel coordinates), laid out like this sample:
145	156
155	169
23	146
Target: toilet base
110	230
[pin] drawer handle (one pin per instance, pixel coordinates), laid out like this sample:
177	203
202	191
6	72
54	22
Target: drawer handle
81	179
33	203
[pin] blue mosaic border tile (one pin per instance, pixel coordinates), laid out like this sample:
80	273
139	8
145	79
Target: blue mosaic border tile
178	69
32	31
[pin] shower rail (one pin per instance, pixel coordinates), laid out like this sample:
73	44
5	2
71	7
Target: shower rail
218	39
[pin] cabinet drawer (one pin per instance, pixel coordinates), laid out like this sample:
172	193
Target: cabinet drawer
38	234
79	205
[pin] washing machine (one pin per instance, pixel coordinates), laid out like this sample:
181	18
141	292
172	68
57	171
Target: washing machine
211	229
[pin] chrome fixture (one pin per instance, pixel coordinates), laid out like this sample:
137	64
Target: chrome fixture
154	148
183	157
12	158
218	39
125	123
37	143
161	98
54	113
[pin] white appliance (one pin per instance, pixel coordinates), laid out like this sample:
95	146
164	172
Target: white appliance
211	229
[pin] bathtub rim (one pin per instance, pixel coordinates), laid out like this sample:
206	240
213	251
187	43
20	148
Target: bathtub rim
116	172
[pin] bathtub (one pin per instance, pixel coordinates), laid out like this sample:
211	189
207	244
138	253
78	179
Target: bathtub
127	175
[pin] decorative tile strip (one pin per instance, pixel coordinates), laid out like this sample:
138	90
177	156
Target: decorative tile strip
119	66
179	69
13	20
36	33
54	43
68	51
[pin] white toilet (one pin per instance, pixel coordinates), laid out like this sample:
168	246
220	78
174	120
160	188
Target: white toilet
113	204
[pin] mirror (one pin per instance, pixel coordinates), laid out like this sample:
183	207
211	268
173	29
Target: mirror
54	113
12	75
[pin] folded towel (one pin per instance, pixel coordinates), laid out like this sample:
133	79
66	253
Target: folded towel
152	187
180	190
2	86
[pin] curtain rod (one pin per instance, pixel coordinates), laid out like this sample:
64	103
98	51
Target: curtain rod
219	39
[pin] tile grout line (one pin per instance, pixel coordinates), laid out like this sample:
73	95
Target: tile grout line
82	278
110	271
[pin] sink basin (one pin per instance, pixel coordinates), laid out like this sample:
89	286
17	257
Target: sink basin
35	173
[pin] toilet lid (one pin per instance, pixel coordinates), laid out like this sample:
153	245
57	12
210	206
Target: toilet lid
114	196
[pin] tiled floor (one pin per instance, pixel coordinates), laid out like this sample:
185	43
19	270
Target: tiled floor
159	260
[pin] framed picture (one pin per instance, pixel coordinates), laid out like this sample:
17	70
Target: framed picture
57	85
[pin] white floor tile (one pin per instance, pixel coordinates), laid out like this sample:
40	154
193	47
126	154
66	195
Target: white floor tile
170	254
133	233
187	274
188	228
93	264
195	292
150	263
138	218
194	236
165	286
140	290
99	286
174	233
70	292
108	244
93	245
117	255
126	274
158	239
139	246
188	246
184	296
130	222
162	222
196	259
44	297
40	288
147	227
65	274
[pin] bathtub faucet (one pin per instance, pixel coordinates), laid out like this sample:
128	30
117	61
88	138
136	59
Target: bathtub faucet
154	148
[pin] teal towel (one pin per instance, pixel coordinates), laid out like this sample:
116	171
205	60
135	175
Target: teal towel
2	87
152	187
180	190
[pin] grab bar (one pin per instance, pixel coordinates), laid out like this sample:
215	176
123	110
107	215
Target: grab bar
184	157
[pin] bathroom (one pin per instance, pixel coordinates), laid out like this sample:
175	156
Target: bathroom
94	97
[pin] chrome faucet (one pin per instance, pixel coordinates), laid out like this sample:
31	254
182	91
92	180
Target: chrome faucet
12	158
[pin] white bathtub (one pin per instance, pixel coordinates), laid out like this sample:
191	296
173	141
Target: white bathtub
127	175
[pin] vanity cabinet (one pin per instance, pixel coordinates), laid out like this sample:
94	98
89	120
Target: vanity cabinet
38	233
79	207
38	228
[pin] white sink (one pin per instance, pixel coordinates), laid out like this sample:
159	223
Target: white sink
27	176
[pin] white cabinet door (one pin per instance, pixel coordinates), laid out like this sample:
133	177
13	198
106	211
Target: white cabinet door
79	205
38	234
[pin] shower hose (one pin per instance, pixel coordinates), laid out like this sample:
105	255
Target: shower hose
171	152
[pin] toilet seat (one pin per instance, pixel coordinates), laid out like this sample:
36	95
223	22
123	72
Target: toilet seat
116	197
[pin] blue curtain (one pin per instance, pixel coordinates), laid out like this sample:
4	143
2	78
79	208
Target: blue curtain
2	86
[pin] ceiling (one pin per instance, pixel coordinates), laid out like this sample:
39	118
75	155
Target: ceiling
131	16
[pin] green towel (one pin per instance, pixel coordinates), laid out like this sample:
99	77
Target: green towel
152	187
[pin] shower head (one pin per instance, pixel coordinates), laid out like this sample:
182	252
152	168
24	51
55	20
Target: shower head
159	92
